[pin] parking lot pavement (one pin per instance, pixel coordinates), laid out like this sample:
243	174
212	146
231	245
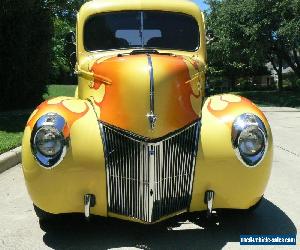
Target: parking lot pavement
279	212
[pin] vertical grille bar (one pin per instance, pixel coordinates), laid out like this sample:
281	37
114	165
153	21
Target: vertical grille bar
148	179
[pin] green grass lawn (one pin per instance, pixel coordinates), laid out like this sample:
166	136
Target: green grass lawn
60	90
12	123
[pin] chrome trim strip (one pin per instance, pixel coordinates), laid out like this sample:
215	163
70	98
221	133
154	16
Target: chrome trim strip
105	158
197	139
151	115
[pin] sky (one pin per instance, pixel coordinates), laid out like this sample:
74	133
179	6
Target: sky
201	3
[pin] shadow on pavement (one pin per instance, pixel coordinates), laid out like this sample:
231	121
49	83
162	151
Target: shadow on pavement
72	231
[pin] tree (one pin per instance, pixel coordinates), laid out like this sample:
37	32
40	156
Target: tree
25	42
253	32
65	10
64	21
230	55
60	66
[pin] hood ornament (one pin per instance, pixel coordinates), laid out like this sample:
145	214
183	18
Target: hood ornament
152	119
151	116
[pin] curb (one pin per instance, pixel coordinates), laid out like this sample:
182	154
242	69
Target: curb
10	159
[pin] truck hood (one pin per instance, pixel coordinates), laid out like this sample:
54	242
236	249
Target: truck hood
148	94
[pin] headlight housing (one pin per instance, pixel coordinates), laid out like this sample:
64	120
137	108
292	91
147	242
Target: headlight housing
249	139
50	140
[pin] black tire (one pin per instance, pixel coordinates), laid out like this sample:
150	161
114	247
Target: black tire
43	215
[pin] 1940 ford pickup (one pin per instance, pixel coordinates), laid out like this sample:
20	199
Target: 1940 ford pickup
140	140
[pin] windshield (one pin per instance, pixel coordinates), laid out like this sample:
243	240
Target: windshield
141	29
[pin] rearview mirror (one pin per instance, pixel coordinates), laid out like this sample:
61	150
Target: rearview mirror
73	60
70	48
210	37
70	38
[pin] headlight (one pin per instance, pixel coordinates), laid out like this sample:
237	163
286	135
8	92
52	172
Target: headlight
49	140
249	139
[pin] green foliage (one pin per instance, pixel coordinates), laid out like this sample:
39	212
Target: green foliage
65	10
60	90
252	32
290	80
231	55
25	41
64	20
61	70
298	82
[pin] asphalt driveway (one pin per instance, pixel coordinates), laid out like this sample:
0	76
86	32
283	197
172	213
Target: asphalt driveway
279	212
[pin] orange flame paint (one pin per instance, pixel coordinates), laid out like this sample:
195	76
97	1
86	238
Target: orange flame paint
180	106
233	109
58	108
177	84
111	110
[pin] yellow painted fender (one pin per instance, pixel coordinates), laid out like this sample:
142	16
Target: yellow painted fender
61	189
217	166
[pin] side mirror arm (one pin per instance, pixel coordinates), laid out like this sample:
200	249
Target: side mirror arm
210	37
70	48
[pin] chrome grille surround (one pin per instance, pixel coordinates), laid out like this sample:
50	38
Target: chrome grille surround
148	179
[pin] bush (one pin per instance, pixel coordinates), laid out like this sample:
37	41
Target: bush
290	81
244	85
297	84
25	43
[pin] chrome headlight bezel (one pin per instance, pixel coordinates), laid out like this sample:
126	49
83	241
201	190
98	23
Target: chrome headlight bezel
252	123
56	124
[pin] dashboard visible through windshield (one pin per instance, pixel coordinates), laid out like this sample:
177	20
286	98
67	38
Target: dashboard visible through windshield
141	29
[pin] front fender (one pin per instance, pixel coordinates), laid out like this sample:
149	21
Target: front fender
217	166
82	171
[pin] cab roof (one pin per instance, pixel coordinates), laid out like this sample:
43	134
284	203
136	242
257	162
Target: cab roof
178	6
98	6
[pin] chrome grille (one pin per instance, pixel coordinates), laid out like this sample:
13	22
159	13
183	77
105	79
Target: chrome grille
148	179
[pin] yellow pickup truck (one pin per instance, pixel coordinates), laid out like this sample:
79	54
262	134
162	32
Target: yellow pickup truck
140	140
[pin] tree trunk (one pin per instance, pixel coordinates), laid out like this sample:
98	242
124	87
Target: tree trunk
279	72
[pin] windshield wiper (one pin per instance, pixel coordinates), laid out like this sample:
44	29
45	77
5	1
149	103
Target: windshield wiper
143	51
149	51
